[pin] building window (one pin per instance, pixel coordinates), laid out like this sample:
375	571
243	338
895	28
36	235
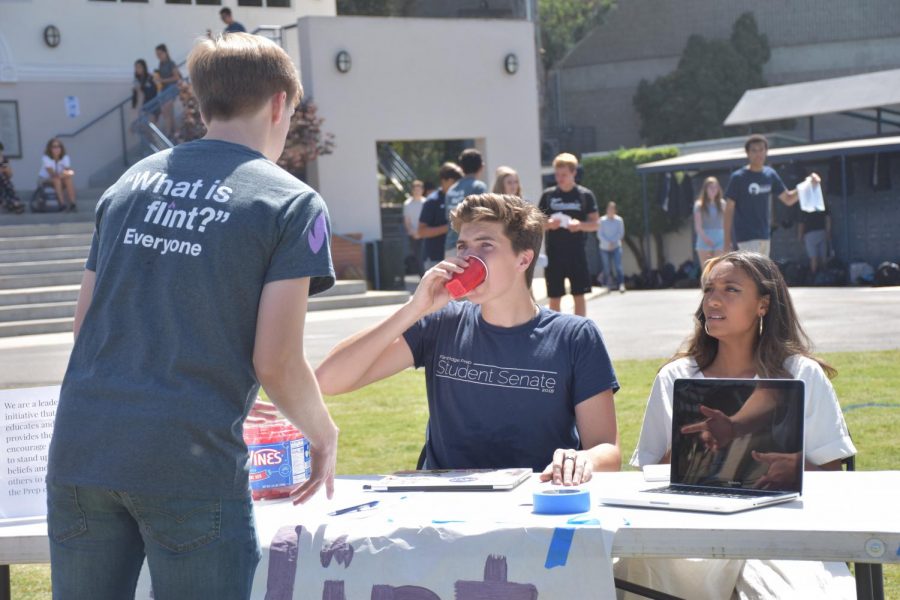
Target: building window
178	1
250	3
140	1
209	2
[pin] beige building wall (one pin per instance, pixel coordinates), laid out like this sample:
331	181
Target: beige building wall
99	42
417	79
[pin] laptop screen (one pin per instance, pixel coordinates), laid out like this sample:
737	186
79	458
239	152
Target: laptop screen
738	434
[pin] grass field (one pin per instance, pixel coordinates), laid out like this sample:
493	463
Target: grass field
382	429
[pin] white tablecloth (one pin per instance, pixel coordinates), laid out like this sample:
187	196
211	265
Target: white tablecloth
428	546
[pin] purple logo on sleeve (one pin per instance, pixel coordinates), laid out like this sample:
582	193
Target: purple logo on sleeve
318	234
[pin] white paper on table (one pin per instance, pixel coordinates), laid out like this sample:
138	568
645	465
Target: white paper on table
563	219
810	196
27	416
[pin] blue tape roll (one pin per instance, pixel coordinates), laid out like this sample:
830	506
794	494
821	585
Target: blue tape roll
561	501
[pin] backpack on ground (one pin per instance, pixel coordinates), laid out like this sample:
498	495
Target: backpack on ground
887	273
44	199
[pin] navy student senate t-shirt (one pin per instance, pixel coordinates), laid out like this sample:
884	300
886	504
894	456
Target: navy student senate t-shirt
161	376
752	194
505	396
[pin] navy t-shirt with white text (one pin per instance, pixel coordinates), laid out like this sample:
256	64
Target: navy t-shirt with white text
161	376
752	194
505	396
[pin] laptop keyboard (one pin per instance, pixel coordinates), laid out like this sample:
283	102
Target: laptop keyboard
689	492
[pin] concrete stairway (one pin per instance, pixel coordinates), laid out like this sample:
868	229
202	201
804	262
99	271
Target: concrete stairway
41	266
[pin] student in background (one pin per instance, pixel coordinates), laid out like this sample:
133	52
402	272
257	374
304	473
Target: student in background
814	230
168	75
748	199
709	216
571	210
506	181
144	89
472	165
8	198
56	169
412	209
433	224
611	233
231	26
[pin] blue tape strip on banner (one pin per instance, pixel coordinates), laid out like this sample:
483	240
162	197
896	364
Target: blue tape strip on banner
561	501
560	543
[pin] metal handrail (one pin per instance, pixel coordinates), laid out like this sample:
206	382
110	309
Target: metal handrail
96	120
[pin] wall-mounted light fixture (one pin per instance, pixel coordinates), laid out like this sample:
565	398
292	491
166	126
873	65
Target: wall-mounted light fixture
342	61
52	36
511	63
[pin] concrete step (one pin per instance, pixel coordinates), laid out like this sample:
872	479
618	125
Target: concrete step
344	287
40	310
17	282
39	295
358	300
36	326
43	254
44	266
85	214
86	201
45	241
21	229
56	317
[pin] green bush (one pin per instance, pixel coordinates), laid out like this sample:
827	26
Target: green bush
613	178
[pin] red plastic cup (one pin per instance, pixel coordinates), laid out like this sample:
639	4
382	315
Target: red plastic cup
472	276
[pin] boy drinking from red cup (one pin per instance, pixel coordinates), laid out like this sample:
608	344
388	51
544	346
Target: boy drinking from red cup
510	384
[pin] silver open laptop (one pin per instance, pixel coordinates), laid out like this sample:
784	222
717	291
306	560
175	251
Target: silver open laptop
737	444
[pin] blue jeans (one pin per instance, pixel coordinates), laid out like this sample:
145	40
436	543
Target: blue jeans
195	548
615	257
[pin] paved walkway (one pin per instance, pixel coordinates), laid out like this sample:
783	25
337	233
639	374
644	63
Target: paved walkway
645	324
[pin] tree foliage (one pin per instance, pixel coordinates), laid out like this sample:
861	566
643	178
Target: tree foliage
563	23
613	178
692	102
305	139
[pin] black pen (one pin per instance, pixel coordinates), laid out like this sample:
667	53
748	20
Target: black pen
358	507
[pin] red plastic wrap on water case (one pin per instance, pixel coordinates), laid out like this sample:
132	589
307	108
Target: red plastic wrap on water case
270	446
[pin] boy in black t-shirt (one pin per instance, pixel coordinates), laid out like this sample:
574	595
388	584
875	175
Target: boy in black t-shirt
571	210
